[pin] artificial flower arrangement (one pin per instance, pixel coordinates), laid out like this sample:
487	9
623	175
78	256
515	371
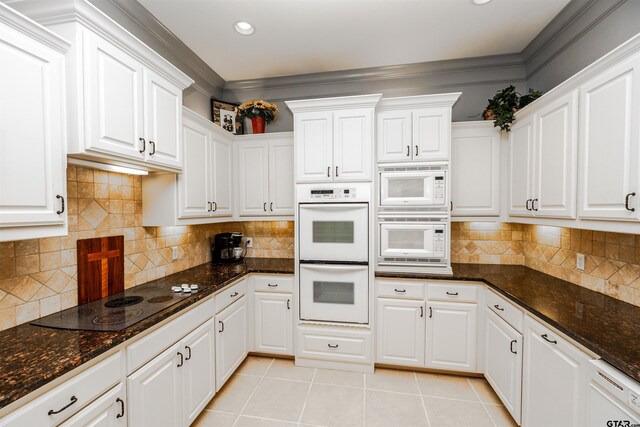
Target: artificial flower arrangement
258	108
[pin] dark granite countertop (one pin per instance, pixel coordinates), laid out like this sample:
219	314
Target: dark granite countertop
32	356
605	325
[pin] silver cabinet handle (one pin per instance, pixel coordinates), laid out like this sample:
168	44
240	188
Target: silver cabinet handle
221	326
626	202
336	171
416	151
526	204
408	151
209	206
271	206
511	346
430	312
265	206
144	145
288	304
61	211
153	145
421	311
533	205
181	360
186	347
121	402
328	171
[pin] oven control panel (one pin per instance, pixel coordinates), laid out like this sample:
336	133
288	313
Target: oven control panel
332	193
438	242
438	189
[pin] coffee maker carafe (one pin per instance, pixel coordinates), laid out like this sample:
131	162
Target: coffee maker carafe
227	247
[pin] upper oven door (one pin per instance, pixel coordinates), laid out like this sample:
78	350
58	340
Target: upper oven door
412	240
334	232
413	188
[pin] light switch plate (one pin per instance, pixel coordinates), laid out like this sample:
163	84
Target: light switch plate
174	253
249	242
580	262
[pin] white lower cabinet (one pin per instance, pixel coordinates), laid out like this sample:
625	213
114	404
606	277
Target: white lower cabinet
273	323
400	332
451	336
554	379
109	410
503	362
231	340
198	376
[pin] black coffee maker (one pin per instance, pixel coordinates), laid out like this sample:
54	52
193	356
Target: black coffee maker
227	247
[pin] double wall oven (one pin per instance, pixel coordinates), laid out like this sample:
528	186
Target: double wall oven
333	233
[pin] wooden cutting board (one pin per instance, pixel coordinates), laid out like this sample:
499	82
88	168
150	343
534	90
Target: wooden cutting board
100	268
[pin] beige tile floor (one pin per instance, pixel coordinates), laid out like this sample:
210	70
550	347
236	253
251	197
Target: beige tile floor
274	392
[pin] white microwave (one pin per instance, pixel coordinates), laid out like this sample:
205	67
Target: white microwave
413	187
412	241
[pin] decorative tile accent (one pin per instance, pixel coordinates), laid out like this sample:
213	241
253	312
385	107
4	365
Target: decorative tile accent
39	276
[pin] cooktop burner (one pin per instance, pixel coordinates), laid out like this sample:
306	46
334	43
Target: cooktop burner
117	311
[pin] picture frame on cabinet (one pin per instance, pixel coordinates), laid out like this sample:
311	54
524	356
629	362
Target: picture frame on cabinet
224	115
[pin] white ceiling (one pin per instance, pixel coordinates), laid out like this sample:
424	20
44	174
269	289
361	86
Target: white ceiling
309	36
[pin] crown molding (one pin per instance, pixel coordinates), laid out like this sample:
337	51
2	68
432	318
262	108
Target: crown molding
328	104
419	101
21	23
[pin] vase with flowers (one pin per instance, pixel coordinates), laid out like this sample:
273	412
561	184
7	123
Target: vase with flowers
259	111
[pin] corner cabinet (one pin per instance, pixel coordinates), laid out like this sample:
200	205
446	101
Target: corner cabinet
334	138
32	144
265	174
475	169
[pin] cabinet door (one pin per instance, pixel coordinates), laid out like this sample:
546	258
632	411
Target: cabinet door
556	151
253	178
109	410
314	150
155	397
193	182
431	134
503	360
221	174
451	336
475	170
273	325
281	188
400	332
113	99
198	372
394	136
32	145
554	379
163	120
520	167
353	145
231	340
610	143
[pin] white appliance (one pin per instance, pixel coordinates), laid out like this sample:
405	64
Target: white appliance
412	188
412	241
333	239
612	397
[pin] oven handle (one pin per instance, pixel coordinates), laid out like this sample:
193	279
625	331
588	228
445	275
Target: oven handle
340	267
333	206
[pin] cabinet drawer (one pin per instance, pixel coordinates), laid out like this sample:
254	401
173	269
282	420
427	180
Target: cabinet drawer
508	311
334	345
453	292
148	347
82	389
400	289
274	283
230	295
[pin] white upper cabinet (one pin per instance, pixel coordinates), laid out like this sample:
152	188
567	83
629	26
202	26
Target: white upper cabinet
222	173
415	128
521	166
265	175
193	183
475	169
32	137
334	138
610	143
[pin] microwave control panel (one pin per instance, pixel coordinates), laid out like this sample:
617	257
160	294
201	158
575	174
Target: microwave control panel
438	189
438	242
332	193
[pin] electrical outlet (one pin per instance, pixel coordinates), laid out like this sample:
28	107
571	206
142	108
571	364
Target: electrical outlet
174	253
249	242
580	262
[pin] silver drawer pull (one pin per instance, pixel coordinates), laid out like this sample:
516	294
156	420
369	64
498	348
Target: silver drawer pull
452	293
333	346
272	286
400	290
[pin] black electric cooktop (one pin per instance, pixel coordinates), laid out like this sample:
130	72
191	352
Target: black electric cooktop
117	311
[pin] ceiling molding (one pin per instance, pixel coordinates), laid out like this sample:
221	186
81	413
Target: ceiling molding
181	55
572	23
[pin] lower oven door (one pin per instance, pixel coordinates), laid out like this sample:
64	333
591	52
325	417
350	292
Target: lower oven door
412	240
334	293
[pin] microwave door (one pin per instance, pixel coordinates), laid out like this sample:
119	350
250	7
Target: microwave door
407	189
411	240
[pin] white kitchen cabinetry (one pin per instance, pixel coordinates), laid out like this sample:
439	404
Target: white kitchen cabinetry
451	336
198	376
400	332
109	410
334	138
415	128
610	143
32	142
554	379
475	169
543	159
231	339
265	175
503	362
273	322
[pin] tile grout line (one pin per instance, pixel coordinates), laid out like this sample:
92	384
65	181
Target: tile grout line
253	392
424	406
304	405
482	403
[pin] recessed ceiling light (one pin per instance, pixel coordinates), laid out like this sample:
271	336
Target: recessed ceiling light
244	28
480	2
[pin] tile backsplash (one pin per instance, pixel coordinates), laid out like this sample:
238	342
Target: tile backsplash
612	260
39	277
